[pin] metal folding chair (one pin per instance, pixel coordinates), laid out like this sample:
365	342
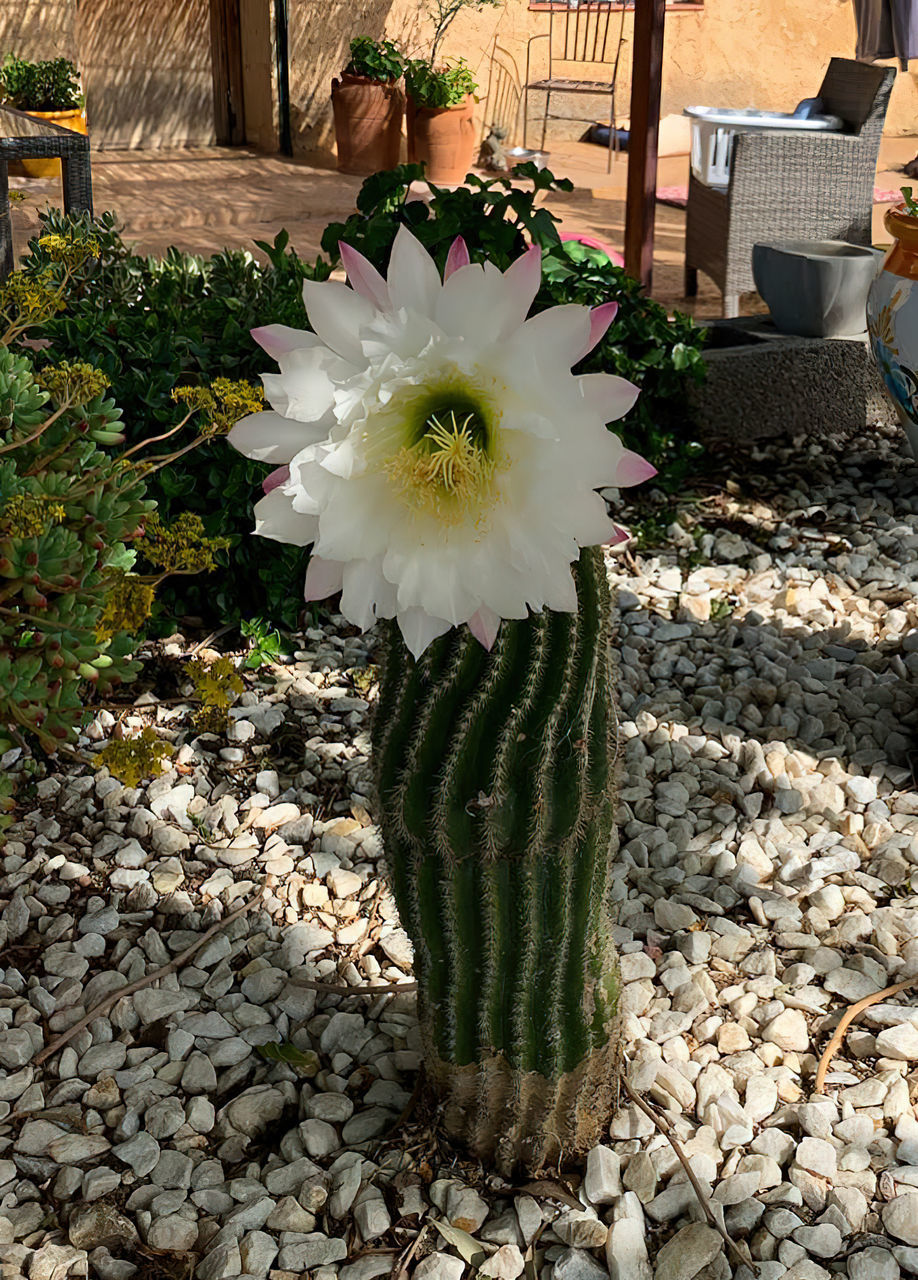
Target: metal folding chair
579	36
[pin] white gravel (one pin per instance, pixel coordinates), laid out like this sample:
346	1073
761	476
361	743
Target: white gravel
769	815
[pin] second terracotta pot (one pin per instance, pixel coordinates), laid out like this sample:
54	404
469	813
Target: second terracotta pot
443	139
368	124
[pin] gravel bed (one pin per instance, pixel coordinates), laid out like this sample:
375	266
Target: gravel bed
768	880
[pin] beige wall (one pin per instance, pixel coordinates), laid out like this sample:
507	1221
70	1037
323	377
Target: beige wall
761	53
38	29
147	72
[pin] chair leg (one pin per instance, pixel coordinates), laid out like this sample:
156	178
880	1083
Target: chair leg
731	305
691	282
526	115
545	117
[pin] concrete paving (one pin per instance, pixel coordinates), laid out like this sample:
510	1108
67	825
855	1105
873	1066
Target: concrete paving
204	200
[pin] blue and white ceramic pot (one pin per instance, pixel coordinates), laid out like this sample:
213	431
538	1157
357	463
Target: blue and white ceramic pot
892	320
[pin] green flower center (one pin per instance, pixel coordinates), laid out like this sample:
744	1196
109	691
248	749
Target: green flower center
447	466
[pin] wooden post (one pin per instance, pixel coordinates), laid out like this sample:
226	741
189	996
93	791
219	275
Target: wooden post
646	82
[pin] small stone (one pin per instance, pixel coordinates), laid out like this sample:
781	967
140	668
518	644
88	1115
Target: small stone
900	1218
74	1147
506	1264
580	1230
577	1264
626	1251
140	1152
16	1048
97	1224
823	1240
439	1266
899	1042
816	1156
873	1264
257	1251
603	1183
174	1234
465	1208
690	1249
789	1031
312	1250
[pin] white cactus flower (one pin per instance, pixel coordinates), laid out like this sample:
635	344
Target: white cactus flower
434	448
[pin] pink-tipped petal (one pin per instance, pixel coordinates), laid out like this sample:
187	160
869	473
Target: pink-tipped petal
275	478
279	339
323	578
484	626
632	469
600	319
524	276
364	277
619	536
457	257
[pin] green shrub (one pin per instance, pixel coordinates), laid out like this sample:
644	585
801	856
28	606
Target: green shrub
497	221
376	59
444	87
39	86
150	324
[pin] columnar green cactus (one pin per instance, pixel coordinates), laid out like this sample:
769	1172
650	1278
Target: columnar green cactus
495	780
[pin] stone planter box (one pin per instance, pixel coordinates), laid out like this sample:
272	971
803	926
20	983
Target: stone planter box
763	384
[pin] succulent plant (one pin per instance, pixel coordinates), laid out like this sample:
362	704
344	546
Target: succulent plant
68	509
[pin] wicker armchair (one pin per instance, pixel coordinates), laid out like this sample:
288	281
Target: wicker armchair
791	184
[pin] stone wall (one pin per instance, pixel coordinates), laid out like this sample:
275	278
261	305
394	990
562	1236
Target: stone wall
146	70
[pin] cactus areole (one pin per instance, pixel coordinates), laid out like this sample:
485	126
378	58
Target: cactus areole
437	453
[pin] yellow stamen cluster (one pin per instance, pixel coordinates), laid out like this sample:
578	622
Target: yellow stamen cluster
448	472
222	404
73	383
28	515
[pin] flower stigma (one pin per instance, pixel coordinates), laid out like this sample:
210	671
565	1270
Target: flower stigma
448	472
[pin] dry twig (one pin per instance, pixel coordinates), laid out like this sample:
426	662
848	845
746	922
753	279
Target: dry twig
400	1269
338	989
838	1034
176	963
661	1123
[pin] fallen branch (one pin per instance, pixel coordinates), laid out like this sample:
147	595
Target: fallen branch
400	1268
338	989
662	1124
838	1034
111	1000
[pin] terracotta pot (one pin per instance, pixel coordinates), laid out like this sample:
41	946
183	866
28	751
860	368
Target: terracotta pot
892	320
73	120
368	123
443	139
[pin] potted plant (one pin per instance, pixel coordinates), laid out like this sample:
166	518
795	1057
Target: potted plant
368	106
441	128
47	90
892	315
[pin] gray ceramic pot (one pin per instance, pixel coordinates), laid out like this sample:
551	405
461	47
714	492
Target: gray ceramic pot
815	288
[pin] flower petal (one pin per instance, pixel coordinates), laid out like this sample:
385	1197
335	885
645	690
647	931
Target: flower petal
279	339
337	314
419	629
275	518
608	396
522	278
414	282
484	624
457	257
270	437
633	469
279	476
600	319
364	277
323	578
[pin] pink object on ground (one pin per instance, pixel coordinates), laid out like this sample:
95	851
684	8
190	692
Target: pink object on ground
592	242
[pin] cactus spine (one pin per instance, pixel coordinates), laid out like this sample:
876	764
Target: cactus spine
494	773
